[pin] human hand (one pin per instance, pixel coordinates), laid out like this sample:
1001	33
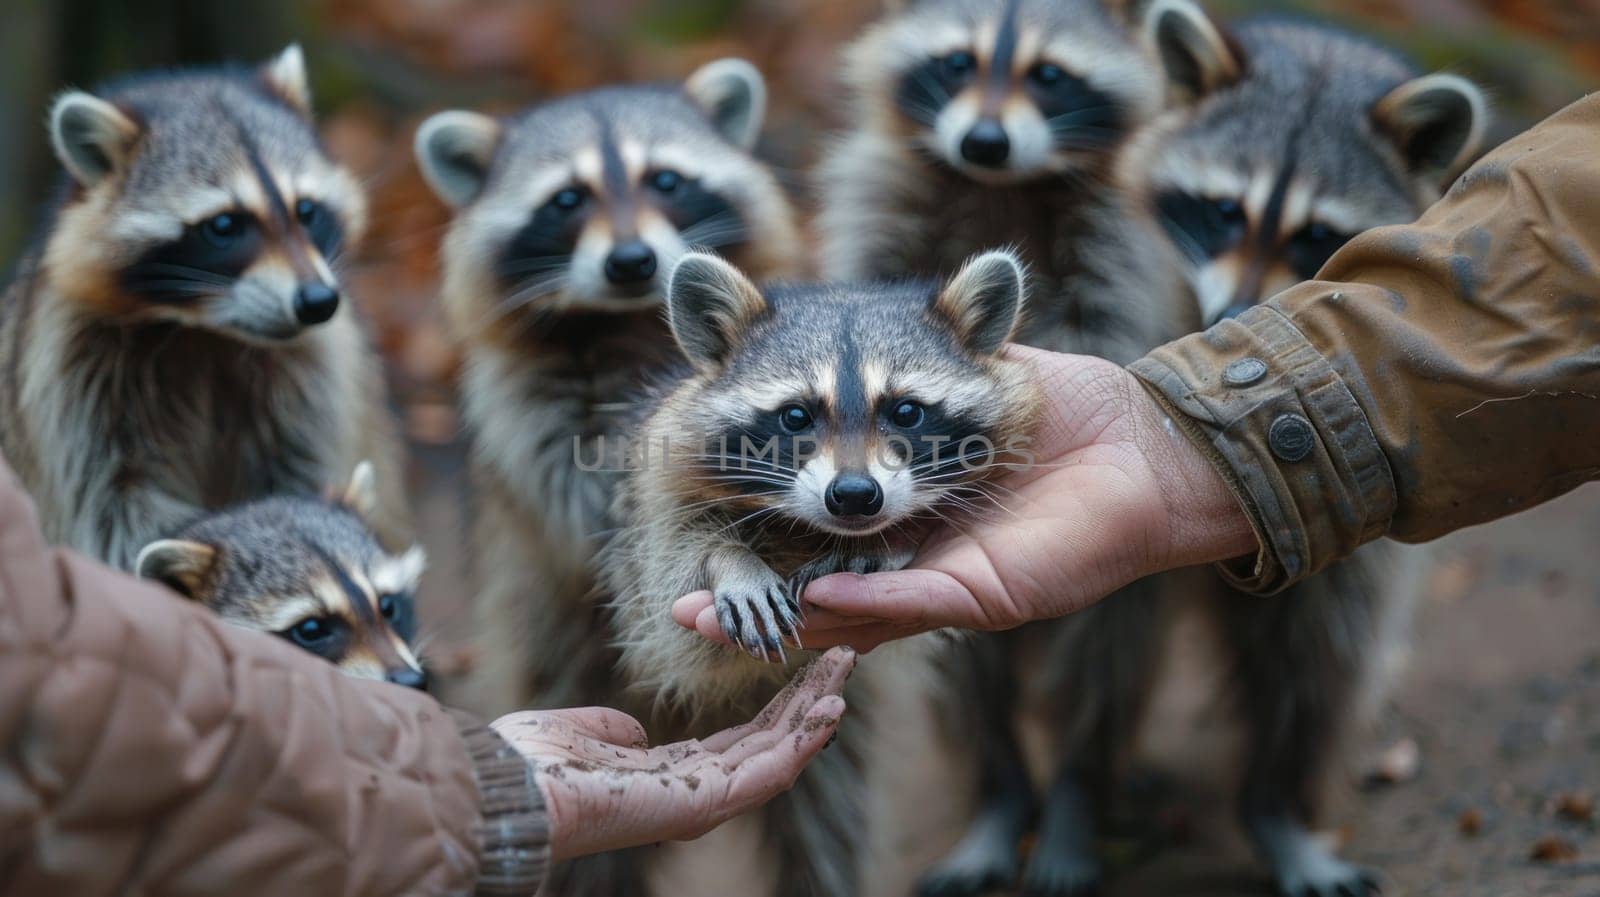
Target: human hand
606	788
1115	493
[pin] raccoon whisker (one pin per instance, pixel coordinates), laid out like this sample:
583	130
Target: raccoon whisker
186	272
747	518
716	230
182	287
765	481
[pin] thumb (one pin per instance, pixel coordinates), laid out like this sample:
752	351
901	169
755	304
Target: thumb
918	598
599	723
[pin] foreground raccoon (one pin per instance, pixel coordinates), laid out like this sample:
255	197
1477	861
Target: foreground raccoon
308	571
1287	138
569	218
815	430
995	122
175	342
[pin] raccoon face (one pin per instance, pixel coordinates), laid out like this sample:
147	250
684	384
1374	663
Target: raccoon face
307	571
205	200
1006	90
848	409
586	203
1287	140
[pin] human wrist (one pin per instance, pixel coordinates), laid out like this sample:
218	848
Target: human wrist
1206	520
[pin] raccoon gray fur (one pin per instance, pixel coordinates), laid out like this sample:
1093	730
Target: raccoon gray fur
803	438
175	342
568	218
309	571
982	123
1284	139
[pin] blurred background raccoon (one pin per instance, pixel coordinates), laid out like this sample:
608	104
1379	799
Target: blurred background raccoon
979	123
815	429
1284	139
569	218
175	342
983	123
308	571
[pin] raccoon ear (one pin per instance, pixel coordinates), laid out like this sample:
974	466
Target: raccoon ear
91	137
709	304
361	493
1436	121
734	95
285	75
984	300
1196	56
180	564
454	150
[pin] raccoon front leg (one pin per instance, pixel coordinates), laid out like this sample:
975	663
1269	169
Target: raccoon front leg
126	520
1103	657
817	827
983	692
755	606
1301	658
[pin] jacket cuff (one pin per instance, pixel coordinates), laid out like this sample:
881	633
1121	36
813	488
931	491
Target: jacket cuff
1283	429
514	833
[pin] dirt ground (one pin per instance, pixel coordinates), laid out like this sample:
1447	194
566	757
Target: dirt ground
1501	697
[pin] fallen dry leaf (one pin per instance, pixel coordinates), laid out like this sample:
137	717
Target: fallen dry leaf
1577	806
1553	849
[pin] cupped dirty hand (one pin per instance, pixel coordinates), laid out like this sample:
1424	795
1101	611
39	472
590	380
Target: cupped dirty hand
605	788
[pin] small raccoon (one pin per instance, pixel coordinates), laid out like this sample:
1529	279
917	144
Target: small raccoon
308	571
568	218
996	122
816	429
175	342
1285	139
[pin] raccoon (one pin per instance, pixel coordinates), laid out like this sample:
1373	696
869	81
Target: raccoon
568	218
176	340
1284	139
979	123
815	429
1287	138
308	571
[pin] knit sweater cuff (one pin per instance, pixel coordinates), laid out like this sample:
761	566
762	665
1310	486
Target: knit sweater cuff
514	833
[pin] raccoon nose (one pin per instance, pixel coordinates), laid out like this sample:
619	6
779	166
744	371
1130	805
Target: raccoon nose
408	678
986	144
851	494
630	262
315	303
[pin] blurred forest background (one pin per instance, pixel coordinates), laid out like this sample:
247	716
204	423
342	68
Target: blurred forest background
1503	696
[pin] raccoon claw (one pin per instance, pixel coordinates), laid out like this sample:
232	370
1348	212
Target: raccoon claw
755	617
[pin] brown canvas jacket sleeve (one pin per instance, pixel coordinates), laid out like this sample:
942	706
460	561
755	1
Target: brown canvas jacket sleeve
152	749
1439	375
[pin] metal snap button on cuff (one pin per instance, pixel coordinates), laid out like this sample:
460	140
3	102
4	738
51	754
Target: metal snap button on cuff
1290	437
1244	371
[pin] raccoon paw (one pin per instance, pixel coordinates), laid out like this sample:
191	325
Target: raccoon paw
1060	874
1322	874
984	861
757	613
